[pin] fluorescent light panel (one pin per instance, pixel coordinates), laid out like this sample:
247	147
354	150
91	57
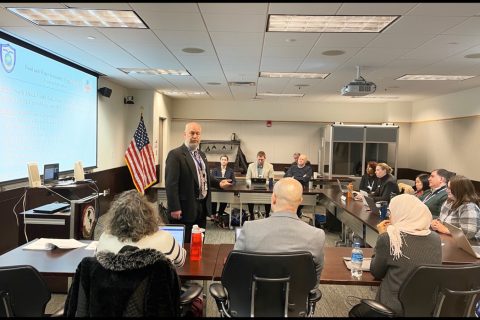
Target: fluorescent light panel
305	23
268	94
433	77
81	17
184	93
155	72
299	75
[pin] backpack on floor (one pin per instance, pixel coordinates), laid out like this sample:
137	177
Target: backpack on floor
236	217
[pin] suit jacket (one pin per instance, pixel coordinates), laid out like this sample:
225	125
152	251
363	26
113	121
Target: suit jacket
182	185
267	170
282	232
435	201
229	173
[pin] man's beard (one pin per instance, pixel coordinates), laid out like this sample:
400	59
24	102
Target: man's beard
192	145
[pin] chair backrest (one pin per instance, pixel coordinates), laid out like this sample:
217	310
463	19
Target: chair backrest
268	284
26	291
441	290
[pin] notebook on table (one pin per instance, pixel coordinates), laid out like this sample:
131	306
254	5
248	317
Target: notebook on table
462	241
176	230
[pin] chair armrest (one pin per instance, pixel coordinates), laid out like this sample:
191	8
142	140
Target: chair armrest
315	295
378	308
192	291
218	292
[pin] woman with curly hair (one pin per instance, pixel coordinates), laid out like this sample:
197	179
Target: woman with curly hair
132	220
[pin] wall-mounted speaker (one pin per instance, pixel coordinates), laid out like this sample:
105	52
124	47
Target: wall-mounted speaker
128	100
106	92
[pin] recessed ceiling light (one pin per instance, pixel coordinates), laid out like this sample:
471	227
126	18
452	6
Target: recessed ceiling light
473	56
300	75
155	71
193	50
305	23
432	77
333	52
81	17
214	83
269	94
290	40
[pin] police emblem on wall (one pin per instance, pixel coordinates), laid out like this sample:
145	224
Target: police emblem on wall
88	220
8	57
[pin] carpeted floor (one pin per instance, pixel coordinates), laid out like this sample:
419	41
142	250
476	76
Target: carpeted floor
336	300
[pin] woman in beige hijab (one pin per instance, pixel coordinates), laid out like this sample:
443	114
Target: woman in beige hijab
405	242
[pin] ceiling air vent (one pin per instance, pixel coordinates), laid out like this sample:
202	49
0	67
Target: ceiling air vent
242	84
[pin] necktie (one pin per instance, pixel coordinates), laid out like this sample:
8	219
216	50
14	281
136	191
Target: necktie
202	180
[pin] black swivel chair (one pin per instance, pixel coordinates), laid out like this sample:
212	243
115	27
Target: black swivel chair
267	284
23	292
431	291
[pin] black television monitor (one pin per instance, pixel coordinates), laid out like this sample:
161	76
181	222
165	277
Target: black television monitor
50	173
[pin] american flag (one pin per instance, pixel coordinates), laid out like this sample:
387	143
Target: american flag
140	160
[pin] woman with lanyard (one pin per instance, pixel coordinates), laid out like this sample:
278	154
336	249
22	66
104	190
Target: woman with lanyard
369	179
461	208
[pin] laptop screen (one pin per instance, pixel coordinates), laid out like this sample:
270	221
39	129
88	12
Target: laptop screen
176	230
259	180
50	173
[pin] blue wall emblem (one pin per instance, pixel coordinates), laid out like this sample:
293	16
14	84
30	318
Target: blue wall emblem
8	57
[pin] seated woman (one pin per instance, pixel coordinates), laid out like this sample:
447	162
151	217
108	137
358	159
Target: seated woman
368	183
405	241
461	208
422	186
133	221
386	184
223	171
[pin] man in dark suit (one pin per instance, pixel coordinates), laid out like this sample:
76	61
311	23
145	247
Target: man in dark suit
188	181
220	172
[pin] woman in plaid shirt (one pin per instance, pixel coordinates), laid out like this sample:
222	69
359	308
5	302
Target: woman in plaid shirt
461	208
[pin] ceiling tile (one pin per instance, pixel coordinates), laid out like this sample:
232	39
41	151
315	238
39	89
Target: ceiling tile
236	23
375	8
446	9
304	8
237	38
165	7
237	8
424	25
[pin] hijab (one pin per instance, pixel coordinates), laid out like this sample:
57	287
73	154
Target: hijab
407	215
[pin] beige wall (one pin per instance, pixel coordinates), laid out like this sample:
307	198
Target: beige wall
445	133
295	125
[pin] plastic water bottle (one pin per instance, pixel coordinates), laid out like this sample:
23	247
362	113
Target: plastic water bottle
196	243
356	261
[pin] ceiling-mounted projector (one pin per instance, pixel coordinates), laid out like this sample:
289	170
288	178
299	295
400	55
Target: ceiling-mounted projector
358	87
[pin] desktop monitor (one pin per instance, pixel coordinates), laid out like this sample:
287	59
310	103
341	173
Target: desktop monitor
50	173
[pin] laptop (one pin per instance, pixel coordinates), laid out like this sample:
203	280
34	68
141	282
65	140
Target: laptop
365	195
462	241
371	204
176	230
259	183
344	190
52	207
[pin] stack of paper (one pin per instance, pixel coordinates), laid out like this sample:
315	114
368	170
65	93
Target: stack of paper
51	243
365	264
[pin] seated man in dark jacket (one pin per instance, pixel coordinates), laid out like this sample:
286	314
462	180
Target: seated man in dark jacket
302	172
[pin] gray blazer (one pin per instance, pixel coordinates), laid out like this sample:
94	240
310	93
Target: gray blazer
282	232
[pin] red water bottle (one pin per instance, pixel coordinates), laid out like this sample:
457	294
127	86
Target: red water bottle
196	243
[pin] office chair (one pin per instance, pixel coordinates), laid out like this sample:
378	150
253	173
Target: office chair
122	286
431	291
267	284
23	292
